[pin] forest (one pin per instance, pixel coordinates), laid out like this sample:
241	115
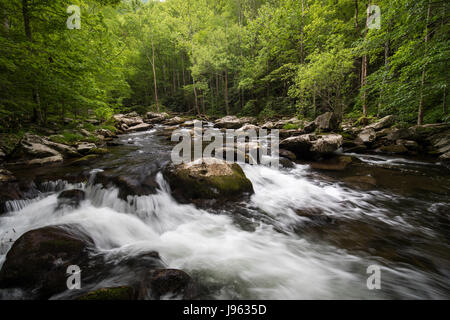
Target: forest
263	58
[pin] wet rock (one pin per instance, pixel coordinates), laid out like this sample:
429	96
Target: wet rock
123	293
85	147
16	190
140	127
385	122
393	149
315	216
71	198
366	137
333	164
208	178
286	163
39	259
128	185
167	283
327	122
287	154
356	149
445	158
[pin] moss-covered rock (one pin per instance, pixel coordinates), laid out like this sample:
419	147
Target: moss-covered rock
393	149
105	294
98	151
208	179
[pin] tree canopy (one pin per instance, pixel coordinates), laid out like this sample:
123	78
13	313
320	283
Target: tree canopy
246	57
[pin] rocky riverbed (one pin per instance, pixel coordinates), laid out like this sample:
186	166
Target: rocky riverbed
345	197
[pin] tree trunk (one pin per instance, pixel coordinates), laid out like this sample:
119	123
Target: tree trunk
227	107
422	82
155	85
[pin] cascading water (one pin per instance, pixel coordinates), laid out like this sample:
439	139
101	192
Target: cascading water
263	249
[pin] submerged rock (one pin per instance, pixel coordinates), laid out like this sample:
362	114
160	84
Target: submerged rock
39	259
71	198
208	178
167	283
333	164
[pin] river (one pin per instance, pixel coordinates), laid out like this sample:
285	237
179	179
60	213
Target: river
304	234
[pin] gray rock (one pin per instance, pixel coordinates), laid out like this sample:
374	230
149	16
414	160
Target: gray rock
327	122
85	147
140	127
310	145
366	136
385	122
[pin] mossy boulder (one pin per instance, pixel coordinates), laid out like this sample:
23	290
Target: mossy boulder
107	294
208	178
39	259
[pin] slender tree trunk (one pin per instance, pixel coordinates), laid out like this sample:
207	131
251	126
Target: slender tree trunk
227	107
444	102
155	84
422	82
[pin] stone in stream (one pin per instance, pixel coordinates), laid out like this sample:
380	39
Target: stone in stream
85	147
167	283
393	149
129	120
174	121
310	146
38	260
140	127
128	185
208	178
233	122
71	198
6	176
333	164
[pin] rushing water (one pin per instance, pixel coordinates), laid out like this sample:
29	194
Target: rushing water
303	235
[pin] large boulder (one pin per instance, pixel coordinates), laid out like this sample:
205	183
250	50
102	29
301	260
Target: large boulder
327	122
385	122
309	146
38	260
208	178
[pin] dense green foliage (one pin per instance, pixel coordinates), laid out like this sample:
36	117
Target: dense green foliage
244	57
